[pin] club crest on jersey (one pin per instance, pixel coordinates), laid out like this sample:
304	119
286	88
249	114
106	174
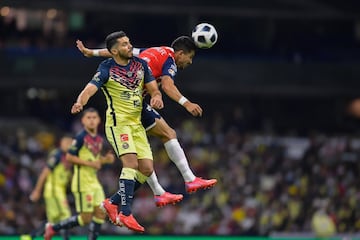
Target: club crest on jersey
125	145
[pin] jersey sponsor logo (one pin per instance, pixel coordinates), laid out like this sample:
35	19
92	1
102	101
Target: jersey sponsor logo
124	137
122	193
173	67
96	77
140	74
137	103
88	198
171	72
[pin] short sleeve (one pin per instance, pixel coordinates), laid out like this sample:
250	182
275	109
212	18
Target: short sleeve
76	144
102	74
169	68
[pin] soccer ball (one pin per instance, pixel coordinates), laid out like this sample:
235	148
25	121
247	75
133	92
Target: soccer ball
204	35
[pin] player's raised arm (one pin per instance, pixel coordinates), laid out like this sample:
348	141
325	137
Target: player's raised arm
83	98
169	87
103	52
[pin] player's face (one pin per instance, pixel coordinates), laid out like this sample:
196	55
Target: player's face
184	59
91	120
124	48
65	143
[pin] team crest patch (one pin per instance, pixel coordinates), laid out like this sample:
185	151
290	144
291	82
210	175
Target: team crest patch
125	145
124	137
129	74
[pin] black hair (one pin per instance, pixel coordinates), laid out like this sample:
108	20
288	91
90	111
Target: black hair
111	39
184	43
91	110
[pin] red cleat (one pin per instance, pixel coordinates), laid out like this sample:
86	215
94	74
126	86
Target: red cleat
129	222
167	198
110	209
49	232
199	183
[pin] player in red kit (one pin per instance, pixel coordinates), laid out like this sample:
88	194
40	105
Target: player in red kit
164	63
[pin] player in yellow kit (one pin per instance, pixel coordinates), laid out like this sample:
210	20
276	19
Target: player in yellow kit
85	155
54	178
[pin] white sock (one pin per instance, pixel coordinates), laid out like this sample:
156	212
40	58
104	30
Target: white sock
154	184
177	156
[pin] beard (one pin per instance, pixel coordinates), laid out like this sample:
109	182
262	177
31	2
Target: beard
127	55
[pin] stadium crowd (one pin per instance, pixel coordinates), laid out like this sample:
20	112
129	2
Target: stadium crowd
266	182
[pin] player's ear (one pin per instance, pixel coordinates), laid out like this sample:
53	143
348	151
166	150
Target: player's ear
114	51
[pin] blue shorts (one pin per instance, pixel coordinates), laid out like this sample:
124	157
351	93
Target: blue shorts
148	116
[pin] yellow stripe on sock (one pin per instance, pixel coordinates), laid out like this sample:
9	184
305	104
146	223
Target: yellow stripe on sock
140	177
128	173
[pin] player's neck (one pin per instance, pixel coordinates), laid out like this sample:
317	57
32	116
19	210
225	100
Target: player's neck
121	61
92	132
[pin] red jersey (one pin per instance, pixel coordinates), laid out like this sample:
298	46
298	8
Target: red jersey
160	60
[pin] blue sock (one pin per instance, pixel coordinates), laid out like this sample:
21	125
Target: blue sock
116	197
126	192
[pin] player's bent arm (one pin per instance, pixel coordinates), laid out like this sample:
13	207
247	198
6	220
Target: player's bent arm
76	160
168	86
83	98
108	158
35	194
156	97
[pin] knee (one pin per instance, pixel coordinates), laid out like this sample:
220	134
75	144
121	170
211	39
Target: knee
169	134
86	218
146	167
147	171
99	214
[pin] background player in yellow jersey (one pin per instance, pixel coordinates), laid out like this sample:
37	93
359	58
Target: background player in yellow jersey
54	178
122	79
85	155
